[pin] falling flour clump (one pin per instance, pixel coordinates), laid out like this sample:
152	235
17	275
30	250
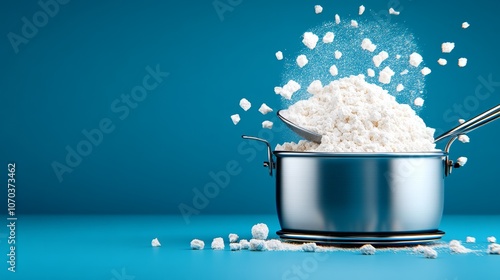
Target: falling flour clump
287	90
328	38
245	104
260	231
218	243
399	87
462	62
267	124
370	72
393	12
302	60
462	161
235	118
233	237
337	19
415	59
447	47
386	75
315	87
367	44
279	55
425	71
310	40
361	10
354	23
155	242
379	58
463	138
491	239
356	116
197	244
318	9
470	239
465	25
338	54
334	71
442	61
367	249
419	101
264	109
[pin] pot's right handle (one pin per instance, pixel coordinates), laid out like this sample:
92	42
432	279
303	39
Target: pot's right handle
270	162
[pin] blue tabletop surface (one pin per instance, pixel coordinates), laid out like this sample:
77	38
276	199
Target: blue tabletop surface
119	247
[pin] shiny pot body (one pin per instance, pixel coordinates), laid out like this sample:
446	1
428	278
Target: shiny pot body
360	193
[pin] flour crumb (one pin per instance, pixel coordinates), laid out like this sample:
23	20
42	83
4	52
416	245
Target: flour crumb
425	71
310	40
333	70
235	118
398	56
315	87
197	244
465	25
233	237
461	121
447	47
245	104
419	101
302	60
470	239
385	75
318	9
457	247
328	38
337	19
260	231
430	253
289	89
354	23
155	242
400	87
361	10
415	59
393	12
379	58
274	245
493	249
491	239
218	243
309	247
235	246
404	72
279	55
267	124
264	109
245	245
442	61
367	249
461	161
462	62
370	72
278	90
367	44
338	54
463	138
257	245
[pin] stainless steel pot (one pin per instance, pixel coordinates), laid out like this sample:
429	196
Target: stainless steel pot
322	195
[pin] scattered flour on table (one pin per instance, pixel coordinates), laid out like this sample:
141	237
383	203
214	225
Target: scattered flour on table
309	247
356	116
457	247
492	239
367	249
218	243
260	231
470	239
234	246
257	245
493	249
245	245
197	244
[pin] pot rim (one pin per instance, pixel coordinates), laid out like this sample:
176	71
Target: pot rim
438	153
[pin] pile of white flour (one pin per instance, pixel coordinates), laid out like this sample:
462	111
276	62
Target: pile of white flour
356	116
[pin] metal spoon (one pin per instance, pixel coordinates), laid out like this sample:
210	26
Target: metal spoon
468	126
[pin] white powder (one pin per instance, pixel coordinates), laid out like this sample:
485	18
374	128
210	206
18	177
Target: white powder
442	61
257	245
333	70
315	87
279	55
370	72
260	231
462	161
393	12
245	104
235	118
264	109
385	75
218	243
379	58
461	121
465	25
400	87
155	242
197	244
309	247
361	10
470	239
337	19
233	238
425	71
398	56
267	124
415	59
356	116
367	249
463	138
274	245
354	23
491	239
302	60
278	90
493	249
289	89
457	247
462	62
338	54
418	102
447	47
404	72
429	252
310	40
318	9
245	245
328	38
235	246
367	44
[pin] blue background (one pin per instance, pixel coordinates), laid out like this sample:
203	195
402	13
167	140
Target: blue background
66	77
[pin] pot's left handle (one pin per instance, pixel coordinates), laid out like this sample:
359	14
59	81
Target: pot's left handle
270	162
